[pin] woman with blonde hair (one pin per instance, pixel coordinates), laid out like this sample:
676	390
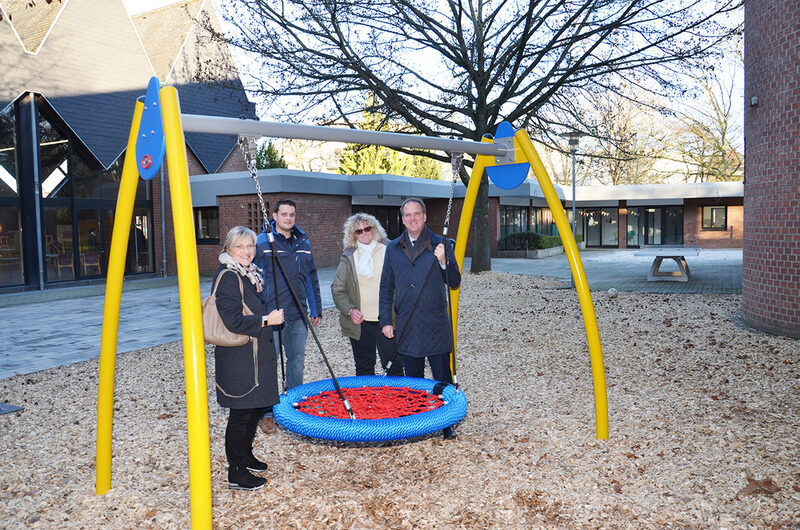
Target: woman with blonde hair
246	376
355	293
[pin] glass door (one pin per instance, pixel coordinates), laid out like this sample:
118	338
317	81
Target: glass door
634	232
673	229
653	224
593	228
140	255
90	250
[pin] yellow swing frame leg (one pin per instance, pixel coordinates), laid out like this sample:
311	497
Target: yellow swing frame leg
522	142
108	342
191	312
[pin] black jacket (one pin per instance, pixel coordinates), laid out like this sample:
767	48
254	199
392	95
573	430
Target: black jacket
235	369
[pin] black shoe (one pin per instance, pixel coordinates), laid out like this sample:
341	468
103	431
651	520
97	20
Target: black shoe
449	433
239	478
254	464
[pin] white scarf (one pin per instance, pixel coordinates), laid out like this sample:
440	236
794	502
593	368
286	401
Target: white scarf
364	261
252	272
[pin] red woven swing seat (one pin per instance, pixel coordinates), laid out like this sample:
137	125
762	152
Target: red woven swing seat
371	403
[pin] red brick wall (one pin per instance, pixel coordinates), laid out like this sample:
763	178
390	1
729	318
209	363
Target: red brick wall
234	162
320	216
622	225
195	167
771	242
693	233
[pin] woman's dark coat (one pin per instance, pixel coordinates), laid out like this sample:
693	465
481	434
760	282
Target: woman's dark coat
234	367
404	272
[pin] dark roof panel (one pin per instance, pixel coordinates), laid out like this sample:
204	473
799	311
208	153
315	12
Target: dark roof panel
92	67
213	100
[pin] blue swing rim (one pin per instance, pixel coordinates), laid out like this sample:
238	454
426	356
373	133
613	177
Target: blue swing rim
381	430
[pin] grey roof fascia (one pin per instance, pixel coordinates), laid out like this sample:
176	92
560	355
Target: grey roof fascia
401	186
665	193
530	189
206	188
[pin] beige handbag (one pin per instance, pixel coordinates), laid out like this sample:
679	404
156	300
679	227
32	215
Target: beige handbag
214	330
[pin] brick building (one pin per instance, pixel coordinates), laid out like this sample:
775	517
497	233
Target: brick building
71	85
771	244
705	214
71	74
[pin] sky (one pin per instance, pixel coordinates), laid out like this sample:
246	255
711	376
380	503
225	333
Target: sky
138	6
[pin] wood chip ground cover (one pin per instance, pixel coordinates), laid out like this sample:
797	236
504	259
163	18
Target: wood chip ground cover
703	421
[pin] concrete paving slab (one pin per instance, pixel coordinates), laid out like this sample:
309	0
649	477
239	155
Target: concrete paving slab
62	326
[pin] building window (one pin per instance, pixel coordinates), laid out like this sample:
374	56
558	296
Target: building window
11	264
715	217
543	222
513	220
602	227
206	224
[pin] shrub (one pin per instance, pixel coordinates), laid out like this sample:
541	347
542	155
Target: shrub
531	241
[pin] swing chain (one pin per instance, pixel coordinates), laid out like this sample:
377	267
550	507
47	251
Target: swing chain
456	161
247	144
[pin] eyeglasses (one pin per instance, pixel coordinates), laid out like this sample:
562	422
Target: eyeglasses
366	229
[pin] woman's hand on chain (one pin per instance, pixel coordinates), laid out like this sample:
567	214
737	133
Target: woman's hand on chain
275	318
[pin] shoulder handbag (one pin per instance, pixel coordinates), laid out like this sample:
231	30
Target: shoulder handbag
214	330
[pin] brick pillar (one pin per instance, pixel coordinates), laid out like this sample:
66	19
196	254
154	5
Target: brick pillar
771	239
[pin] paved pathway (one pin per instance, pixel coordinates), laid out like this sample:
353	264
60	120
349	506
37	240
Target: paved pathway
712	271
61	326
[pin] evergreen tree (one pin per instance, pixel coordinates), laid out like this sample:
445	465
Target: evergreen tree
268	157
377	159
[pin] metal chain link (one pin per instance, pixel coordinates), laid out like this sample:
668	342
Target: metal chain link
247	145
456	161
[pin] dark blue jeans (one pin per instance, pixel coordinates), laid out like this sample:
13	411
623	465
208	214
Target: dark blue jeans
440	367
364	350
294	335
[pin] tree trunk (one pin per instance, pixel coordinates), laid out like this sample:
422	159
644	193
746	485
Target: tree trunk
481	243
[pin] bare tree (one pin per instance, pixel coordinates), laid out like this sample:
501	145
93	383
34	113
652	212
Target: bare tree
628	139
459	67
707	138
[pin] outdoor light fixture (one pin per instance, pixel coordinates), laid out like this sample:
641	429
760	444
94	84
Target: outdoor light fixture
574	139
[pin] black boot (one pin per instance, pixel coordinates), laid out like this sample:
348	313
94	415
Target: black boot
254	464
239	478
449	433
250	461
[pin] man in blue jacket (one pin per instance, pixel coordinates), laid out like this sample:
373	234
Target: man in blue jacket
294	251
405	267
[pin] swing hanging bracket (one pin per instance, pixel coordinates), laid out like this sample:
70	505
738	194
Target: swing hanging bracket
508	156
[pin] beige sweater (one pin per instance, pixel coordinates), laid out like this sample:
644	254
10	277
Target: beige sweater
368	288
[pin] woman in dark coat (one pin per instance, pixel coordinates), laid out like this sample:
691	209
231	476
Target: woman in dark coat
246	376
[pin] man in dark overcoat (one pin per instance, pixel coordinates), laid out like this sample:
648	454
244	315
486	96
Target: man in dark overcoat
408	260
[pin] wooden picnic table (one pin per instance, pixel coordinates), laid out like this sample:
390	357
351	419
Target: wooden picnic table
676	253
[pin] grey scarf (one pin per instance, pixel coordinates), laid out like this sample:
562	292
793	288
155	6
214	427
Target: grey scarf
252	272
